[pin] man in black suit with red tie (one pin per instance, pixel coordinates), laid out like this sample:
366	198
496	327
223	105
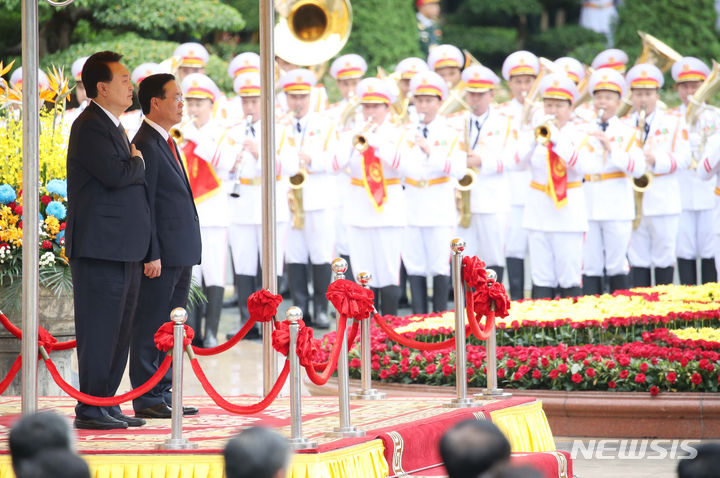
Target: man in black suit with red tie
106	238
175	239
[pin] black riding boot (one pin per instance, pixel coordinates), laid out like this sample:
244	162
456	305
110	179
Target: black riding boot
516	277
212	315
298	283
708	272
687	271
418	294
592	285
321	281
640	276
441	293
539	292
389	299
571	291
619	282
664	275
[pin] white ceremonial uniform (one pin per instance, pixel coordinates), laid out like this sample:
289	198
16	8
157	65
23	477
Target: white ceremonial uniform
228	111
597	15
212	211
654	242
555	234
375	235
609	196
318	100
518	177
131	121
709	168
490	196
315	135
430	196
695	237
245	211
72	114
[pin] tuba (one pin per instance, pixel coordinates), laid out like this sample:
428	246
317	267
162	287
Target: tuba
707	89
656	53
309	32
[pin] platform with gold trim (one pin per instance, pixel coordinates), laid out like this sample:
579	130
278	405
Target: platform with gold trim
402	436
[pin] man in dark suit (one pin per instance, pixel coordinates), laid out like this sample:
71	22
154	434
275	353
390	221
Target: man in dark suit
175	239
107	236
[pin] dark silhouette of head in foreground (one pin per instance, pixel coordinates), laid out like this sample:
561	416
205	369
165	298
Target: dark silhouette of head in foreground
257	453
473	447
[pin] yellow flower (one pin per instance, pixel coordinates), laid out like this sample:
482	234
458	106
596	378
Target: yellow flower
705	333
52	226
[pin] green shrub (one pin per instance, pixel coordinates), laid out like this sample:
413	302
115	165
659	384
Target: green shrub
564	40
490	45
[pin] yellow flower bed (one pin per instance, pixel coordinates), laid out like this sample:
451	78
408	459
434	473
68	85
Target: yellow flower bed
670	299
691	333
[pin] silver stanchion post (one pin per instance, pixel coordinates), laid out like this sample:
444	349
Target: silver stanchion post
176	441
457	246
366	391
294	315
492	389
339	267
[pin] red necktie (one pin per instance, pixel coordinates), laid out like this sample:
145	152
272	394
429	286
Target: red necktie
171	143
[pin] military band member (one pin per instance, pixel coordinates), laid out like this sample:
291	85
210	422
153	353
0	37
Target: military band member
80	94
310	139
405	70
664	140
576	72
318	93
520	70
555	214
429	30
483	131
598	15
695	236
243	188
132	119
448	62
709	169
375	206
614	158
248	62
192	58
434	160
202	140
610	58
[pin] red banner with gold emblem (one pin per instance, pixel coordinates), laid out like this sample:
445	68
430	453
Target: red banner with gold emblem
203	180
557	177
374	178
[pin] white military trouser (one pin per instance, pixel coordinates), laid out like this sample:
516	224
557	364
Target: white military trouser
487	234
695	235
377	250
246	246
426	250
315	241
214	249
556	258
606	247
654	242
516	243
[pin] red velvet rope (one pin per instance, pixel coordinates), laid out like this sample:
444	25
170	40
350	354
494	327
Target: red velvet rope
473	320
45	338
109	401
11	374
449	343
321	379
229	344
240	409
320	366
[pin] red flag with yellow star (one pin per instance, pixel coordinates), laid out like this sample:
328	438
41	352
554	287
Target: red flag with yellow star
557	177
374	178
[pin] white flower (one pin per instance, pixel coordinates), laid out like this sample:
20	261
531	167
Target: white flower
47	259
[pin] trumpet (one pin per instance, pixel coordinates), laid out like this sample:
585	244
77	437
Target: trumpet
359	141
176	132
542	132
239	164
600	114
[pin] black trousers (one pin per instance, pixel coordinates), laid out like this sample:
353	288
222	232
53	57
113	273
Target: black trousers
158	297
106	294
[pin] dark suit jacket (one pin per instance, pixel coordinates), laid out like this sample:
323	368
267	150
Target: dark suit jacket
175	227
108	211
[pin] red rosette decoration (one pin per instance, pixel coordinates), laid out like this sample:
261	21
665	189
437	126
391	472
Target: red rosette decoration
484	297
164	336
263	305
473	271
45	338
350	299
307	347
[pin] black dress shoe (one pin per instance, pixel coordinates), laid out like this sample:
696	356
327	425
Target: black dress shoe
190	411
321	321
131	421
156	411
102	423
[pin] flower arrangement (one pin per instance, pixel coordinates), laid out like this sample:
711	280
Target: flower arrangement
659	339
